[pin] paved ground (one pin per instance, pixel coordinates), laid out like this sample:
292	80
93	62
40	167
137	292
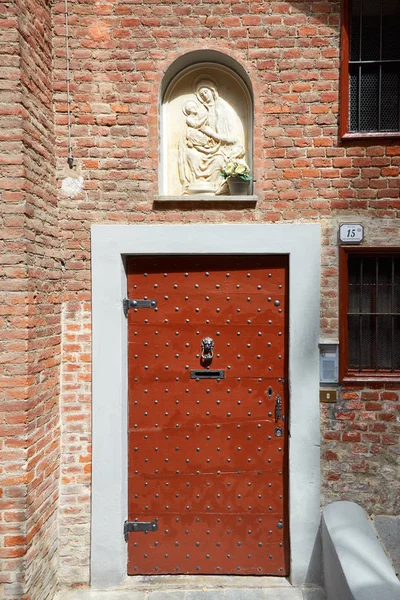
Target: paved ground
199	588
388	529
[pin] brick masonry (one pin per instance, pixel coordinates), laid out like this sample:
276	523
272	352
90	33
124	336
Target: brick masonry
360	449
119	52
30	305
74	518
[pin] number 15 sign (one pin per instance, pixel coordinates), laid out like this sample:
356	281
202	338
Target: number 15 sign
351	233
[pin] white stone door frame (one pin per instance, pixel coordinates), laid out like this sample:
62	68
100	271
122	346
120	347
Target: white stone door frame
110	244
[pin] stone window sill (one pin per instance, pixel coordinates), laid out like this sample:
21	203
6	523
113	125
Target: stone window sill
376	378
370	135
250	199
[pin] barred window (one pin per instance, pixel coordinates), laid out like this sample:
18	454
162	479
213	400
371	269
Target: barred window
370	314
370	67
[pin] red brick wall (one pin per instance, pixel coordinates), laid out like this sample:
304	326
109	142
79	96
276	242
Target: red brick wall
119	53
30	305
44	286
14	379
74	519
361	448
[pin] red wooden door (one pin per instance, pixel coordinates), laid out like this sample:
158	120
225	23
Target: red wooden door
208	456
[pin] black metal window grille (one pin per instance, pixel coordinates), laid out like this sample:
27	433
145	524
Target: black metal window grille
374	66
374	314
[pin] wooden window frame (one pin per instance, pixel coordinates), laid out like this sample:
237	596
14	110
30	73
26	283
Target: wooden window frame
345	374
344	99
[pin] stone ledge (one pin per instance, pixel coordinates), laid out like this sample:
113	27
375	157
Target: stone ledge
250	199
201	594
355	565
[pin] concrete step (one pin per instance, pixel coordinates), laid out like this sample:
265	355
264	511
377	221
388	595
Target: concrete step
216	594
199	588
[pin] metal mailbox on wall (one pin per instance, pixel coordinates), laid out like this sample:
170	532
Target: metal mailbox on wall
329	362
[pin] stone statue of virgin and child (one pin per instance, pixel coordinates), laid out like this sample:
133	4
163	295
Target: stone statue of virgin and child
209	141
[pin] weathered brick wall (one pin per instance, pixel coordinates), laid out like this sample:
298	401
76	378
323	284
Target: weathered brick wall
361	448
44	286
30	305
360	434
74	519
13	309
119	53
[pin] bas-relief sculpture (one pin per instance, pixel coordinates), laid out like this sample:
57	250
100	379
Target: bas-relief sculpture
208	142
208	133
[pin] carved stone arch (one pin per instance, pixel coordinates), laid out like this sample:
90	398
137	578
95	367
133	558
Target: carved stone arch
206	121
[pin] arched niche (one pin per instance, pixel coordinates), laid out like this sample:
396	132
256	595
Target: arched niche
206	121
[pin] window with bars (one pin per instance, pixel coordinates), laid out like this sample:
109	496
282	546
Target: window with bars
370	314
370	69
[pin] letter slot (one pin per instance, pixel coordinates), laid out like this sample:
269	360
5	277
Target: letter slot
207	374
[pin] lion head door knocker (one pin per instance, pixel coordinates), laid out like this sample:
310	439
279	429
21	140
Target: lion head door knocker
207	347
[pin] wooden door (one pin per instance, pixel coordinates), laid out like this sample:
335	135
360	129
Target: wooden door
208	436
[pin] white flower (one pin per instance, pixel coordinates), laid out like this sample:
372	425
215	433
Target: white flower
229	169
241	168
236	168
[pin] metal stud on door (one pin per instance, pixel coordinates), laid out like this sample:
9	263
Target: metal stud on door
207	415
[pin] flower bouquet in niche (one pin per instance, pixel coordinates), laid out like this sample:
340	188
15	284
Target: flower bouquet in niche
237	174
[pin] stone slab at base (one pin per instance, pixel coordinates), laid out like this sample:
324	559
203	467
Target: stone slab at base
187	587
306	594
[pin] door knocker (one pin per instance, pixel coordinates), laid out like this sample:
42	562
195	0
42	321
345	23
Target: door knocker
207	347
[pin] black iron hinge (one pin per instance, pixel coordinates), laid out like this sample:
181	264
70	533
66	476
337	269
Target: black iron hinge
139	526
127	304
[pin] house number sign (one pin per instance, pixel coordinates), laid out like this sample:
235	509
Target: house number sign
351	233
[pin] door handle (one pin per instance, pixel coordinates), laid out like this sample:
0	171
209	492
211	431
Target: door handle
278	408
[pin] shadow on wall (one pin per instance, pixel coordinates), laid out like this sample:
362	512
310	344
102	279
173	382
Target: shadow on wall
326	14
315	14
